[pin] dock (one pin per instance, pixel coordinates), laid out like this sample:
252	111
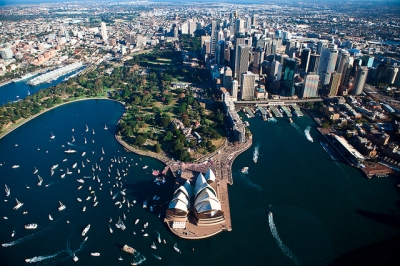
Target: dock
249	112
286	111
296	110
275	111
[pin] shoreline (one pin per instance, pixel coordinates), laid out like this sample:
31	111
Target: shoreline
25	120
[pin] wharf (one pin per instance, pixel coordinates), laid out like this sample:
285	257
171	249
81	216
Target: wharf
296	108
275	111
249	112
262	111
286	111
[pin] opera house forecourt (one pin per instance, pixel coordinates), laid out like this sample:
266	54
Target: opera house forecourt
195	210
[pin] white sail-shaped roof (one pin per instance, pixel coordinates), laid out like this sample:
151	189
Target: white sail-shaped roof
188	188
184	190
182	197
201	183
178	204
205	194
210	176
209	205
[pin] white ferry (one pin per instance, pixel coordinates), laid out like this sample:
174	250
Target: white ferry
31	226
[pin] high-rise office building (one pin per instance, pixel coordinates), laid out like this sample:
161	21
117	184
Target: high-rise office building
176	32
327	64
239	26
103	29
360	79
334	84
6	53
214	36
343	58
247	85
220	53
254	20
276	71
227	79
310	85
347	69
185	28
240	39
314	63
235	89
288	76
243	62
192	27
305	59
130	37
258	57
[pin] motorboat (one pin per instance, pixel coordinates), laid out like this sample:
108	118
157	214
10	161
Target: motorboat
111	231
52	136
50	218
105	127
70	151
87	128
81	181
153	246
79	199
176	248
144	204
31	226
245	170
15	166
85	230
84	208
137	220
74	165
95	254
75	258
35	172
62	206
13	233
54	167
145	167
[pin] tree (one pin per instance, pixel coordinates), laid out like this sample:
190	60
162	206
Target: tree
158	148
140	140
168	136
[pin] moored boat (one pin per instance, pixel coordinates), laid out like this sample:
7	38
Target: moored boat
70	151
128	249
50	218
15	166
95	254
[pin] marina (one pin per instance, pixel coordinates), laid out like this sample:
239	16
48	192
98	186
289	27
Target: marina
55	74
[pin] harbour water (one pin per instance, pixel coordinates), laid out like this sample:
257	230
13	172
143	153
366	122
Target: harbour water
296	206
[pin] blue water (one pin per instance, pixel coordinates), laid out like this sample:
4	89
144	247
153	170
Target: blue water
322	209
20	90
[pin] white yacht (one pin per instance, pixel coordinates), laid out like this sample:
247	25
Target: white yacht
93	131
111	231
52	136
50	218
75	258
145	167
62	206
70	151
19	204
102	150
31	226
153	246
87	129
105	127
35	172
81	181
95	254
83	153
73	139
85	230
79	199
54	166
176	248
15	166
74	165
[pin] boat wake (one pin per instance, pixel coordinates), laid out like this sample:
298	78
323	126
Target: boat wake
255	153
45	230
307	133
282	246
251	183
297	128
76	146
41	258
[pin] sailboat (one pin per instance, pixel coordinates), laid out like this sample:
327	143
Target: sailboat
87	129
62	206
111	231
40	180
85	141
36	170
50	218
93	131
105	127
19	204
52	136
73	139
102	151
7	190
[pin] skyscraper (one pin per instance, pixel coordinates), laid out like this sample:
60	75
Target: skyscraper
243	62
361	77
327	64
276	71
248	81
334	85
103	29
314	63
185	28
214	35
227	80
288	77
310	86
257	59
305	58
235	89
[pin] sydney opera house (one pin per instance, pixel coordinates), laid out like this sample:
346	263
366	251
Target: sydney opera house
195	202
